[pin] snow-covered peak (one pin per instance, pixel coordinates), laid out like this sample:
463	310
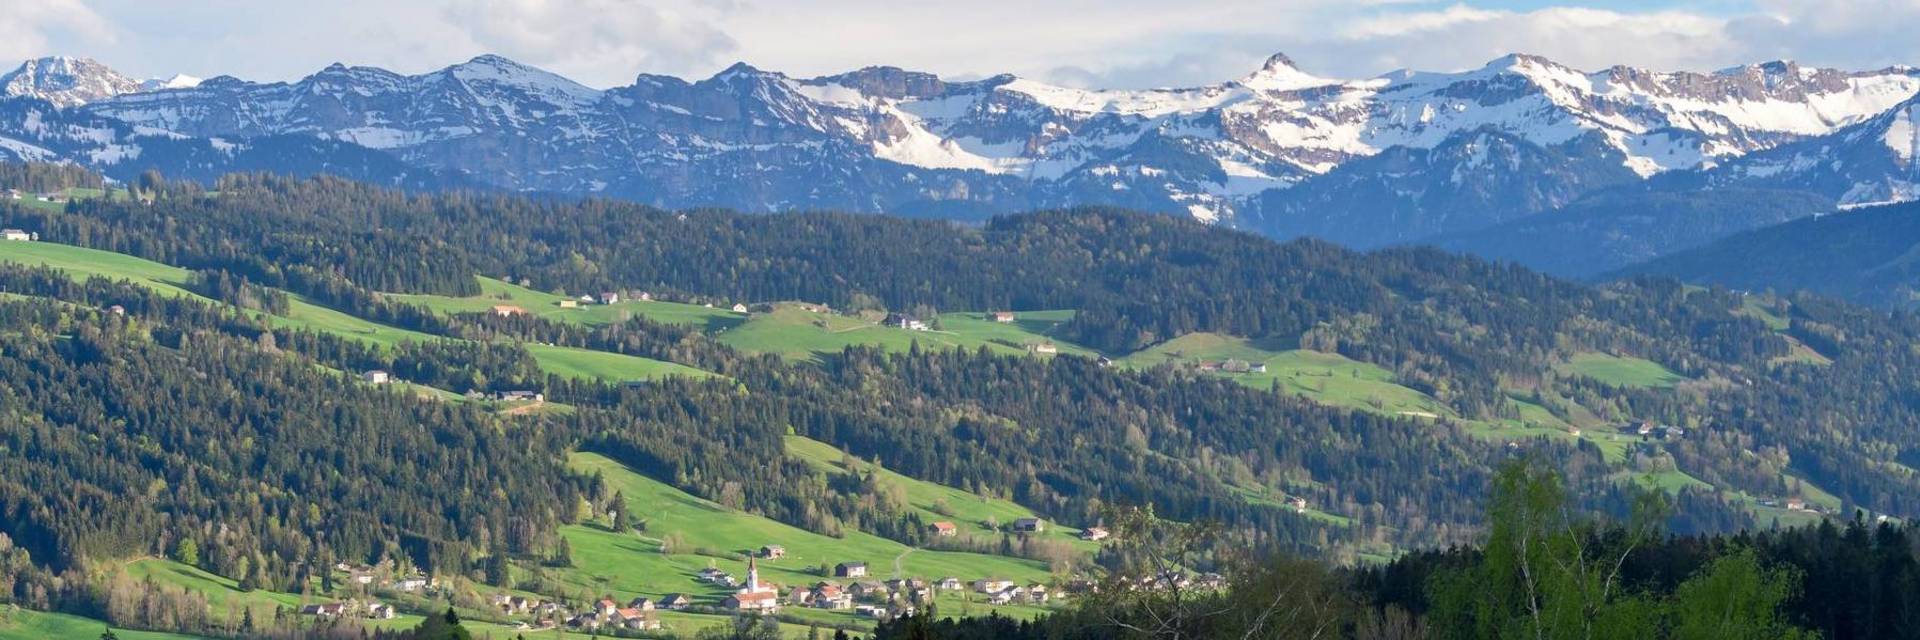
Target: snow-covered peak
497	71
1280	74
66	81
740	70
178	81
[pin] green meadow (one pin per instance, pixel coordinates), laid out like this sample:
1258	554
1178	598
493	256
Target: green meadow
974	515
684	534
1323	377
1622	371
27	624
495	292
170	280
795	333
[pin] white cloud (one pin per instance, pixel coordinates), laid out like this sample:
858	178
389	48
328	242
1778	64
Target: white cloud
598	41
1460	36
1120	43
27	27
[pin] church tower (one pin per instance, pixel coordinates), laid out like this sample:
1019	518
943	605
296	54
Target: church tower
753	575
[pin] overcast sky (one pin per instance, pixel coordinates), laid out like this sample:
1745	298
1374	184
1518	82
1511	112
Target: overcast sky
1117	43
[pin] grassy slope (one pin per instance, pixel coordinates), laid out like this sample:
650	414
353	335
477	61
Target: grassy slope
25	624
626	565
222	594
796	333
170	280
1324	377
305	315
969	512
1622	371
582	363
547	305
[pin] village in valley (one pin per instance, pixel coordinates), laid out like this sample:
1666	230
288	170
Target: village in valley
850	594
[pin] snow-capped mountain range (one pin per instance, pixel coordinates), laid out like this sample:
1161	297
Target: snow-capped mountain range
1279	150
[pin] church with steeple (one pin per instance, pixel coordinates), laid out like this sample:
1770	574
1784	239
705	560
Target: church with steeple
754	595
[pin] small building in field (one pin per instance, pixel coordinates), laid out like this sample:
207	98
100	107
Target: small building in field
630	618
739	308
904	321
949	583
609	298
1258	367
569	304
773	551
520	396
18	235
869	590
992	585
850	570
1003	316
1028	525
12	194
1236	366
377	376
1094	534
1298	503
504	310
675	602
641	603
645	297
945	529
1796	504
1045	348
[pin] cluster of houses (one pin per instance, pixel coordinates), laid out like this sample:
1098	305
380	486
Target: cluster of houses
511	395
906	321
367	576
1792	504
18	235
1233	366
1659	431
50	196
369	609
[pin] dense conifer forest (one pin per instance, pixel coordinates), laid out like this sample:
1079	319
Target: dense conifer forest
165	418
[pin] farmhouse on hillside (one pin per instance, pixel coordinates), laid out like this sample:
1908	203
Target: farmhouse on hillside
850	570
504	310
377	376
1094	534
1028	525
1003	316
945	529
773	551
674	602
904	321
739	308
18	235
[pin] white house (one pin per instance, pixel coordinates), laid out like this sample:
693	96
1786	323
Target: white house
18	235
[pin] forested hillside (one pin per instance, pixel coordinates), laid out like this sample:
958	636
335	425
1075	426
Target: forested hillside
1865	255
204	389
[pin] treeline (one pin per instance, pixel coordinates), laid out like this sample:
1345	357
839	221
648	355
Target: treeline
170	424
42	177
1469	333
1541	572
